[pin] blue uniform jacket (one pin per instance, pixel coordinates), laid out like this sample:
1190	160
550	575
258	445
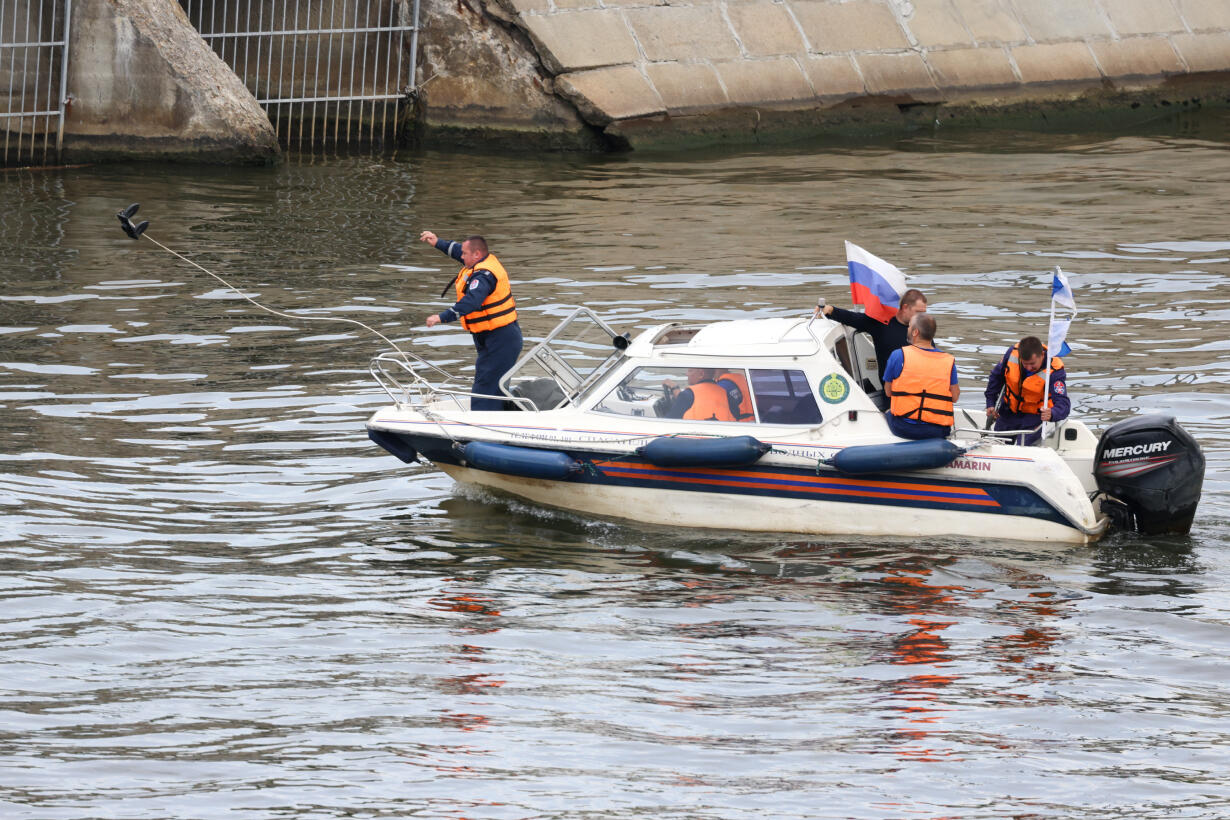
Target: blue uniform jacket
480	286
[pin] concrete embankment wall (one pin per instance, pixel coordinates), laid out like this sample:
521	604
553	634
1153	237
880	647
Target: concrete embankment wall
644	72
601	74
144	84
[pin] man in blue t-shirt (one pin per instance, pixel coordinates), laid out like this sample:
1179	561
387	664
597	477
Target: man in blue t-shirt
921	382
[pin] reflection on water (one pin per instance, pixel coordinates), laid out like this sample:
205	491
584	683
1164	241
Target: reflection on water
221	600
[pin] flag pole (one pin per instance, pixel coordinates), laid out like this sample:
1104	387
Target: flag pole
1046	389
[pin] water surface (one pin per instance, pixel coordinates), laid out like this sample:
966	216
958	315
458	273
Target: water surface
219	600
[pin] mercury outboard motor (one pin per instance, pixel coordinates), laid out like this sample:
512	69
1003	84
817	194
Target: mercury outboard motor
1155	470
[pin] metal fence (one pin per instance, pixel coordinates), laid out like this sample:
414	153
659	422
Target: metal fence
329	73
34	67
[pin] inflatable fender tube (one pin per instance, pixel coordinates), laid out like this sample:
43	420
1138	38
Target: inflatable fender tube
927	454
523	461
394	444
677	451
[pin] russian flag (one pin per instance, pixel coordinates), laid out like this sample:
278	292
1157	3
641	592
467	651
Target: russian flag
875	284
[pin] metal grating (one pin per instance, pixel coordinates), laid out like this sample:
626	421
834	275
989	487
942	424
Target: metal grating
329	73
34	66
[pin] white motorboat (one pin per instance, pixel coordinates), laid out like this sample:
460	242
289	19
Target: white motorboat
590	433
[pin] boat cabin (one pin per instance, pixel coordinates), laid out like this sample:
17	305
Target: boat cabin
787	371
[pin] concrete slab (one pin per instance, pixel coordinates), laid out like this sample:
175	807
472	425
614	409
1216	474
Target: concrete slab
582	40
972	68
1057	20
896	74
1204	52
935	23
1059	62
1205	15
515	7
834	78
990	21
765	29
683	33
838	28
764	82
1132	17
607	94
1137	57
687	87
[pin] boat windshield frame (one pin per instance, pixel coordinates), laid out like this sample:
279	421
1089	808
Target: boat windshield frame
572	382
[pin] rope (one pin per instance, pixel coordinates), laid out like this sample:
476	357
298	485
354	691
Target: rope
290	316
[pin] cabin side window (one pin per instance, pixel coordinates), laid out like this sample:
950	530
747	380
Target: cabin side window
784	397
841	351
694	393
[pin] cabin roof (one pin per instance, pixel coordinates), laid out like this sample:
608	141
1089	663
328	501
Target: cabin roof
738	338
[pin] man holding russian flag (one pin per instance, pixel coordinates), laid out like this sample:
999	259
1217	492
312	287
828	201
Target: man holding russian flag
880	288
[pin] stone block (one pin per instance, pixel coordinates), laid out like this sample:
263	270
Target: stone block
683	33
990	21
838	28
765	29
607	94
686	87
144	82
517	7
1131	17
986	67
574	5
935	23
1056	63
896	74
579	40
1205	15
1137	57
1203	52
1058	20
764	82
834	78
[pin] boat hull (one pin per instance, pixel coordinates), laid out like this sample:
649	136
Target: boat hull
777	497
711	508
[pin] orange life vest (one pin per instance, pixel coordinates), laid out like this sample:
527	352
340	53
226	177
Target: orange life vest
709	403
499	308
1023	394
745	406
923	391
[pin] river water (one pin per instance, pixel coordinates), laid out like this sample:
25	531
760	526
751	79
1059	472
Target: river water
219	600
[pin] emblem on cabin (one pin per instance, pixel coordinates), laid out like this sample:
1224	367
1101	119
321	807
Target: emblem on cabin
834	388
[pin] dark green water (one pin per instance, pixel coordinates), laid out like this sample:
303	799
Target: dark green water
219	600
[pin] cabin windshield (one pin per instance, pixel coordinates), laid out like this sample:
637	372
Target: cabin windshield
755	395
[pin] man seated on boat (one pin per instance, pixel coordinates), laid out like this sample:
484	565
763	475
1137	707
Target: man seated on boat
487	309
702	400
740	398
1017	385
921	382
886	337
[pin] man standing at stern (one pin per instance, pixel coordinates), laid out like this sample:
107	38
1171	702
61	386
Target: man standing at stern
1016	387
487	309
921	382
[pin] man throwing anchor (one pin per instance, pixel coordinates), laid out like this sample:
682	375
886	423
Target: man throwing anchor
487	309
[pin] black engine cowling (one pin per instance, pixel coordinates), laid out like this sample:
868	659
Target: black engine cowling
1152	466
